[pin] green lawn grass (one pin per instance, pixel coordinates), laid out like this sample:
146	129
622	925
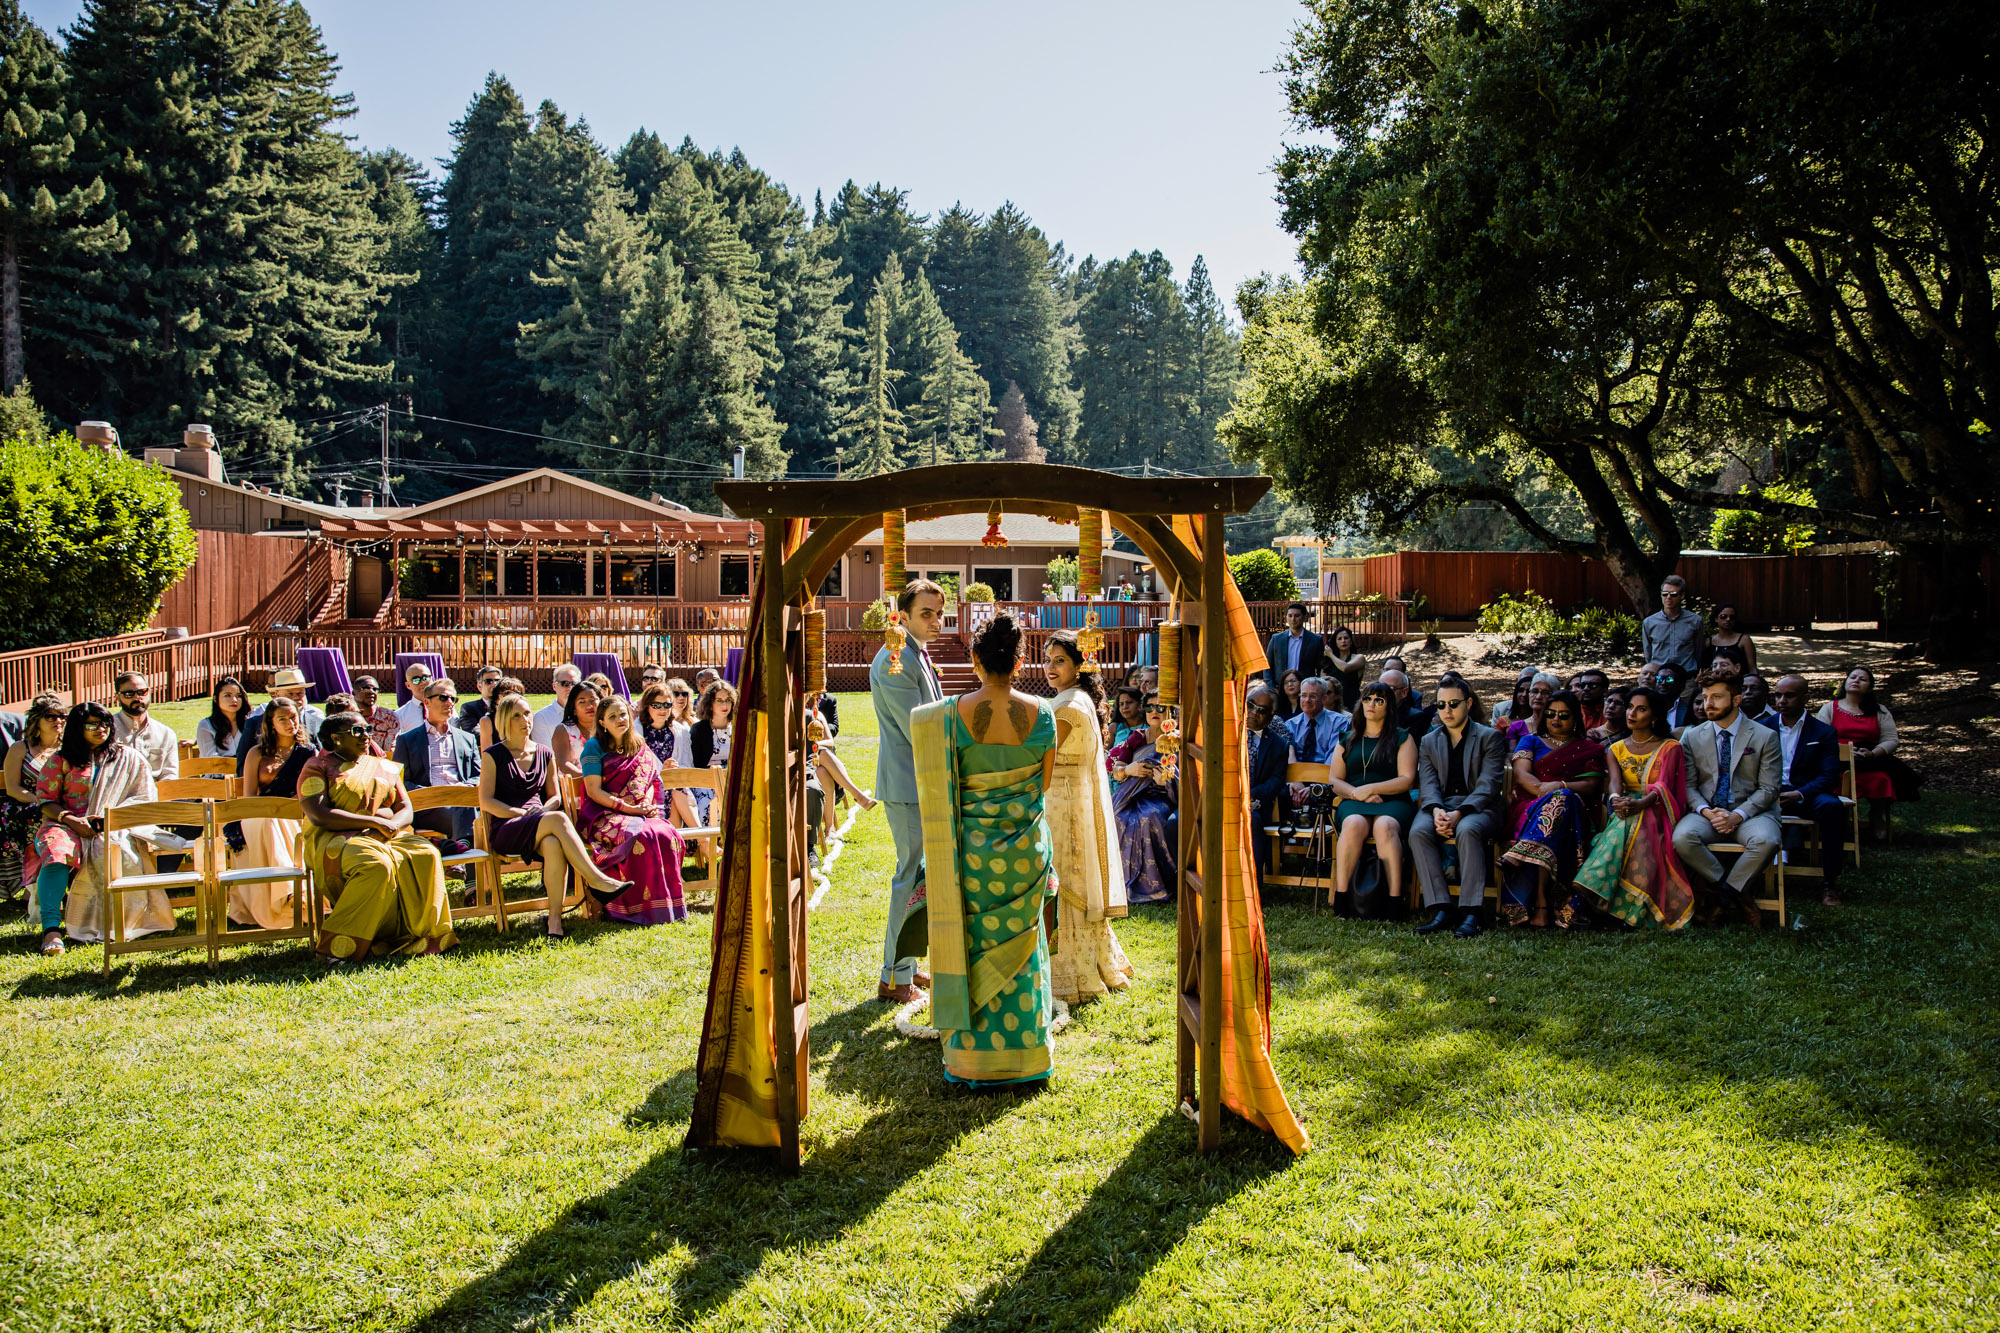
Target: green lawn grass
1715	1130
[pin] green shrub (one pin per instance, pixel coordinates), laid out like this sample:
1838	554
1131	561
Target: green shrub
89	541
978	592
1263	575
1760	534
1532	621
1063	572
876	618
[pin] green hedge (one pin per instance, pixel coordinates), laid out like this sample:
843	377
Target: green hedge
1588	632
1264	575
89	541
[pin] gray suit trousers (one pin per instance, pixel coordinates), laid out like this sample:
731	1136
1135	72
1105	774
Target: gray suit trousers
1475	836
1760	835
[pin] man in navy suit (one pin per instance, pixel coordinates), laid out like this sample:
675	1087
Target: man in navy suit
437	754
1294	647
1268	748
1810	788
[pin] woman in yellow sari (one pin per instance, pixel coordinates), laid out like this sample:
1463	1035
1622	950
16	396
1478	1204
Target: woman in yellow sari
983	762
386	882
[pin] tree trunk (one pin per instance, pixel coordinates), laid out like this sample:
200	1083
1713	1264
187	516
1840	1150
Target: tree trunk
1638	574
1960	626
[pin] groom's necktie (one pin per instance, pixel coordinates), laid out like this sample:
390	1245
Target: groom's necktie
930	667
1722	764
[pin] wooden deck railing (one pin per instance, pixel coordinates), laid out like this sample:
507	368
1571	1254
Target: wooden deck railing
176	668
573	614
33	671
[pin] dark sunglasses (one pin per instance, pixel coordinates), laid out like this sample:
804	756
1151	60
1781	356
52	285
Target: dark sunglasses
1451	703
1256	707
1560	715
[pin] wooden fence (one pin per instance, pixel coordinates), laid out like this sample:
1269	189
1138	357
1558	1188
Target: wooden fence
1767	590
176	668
33	671
247	578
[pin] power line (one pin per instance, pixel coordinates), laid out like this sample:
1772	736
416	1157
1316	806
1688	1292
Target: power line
557	439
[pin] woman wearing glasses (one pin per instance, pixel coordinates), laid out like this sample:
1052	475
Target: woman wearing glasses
1147	802
1558	776
1374	773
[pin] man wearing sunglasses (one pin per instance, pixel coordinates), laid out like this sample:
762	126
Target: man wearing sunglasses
542	726
134	725
1461	765
1266	749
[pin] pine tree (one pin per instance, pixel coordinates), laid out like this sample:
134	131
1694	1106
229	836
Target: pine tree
1214	362
1132	356
871	225
49	223
952	402
1019	435
643	163
813	385
249	288
600	274
878	424
690	223
710	400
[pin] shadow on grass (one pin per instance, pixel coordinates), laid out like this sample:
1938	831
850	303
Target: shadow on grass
731	1208
1144	1209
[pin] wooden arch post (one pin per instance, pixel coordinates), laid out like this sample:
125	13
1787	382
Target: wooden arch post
753	1061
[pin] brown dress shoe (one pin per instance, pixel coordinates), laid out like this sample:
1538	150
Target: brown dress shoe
902	994
922	981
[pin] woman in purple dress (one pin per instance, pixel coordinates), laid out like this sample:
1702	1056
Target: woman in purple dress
522	804
624	820
1147	803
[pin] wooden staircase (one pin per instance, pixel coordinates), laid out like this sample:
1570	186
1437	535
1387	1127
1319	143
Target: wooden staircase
953	660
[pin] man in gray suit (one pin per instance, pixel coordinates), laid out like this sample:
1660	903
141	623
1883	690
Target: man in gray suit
1461	764
1733	771
896	696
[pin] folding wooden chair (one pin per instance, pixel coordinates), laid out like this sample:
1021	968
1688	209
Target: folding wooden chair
208	768
1772	879
1301	836
1849	786
305	907
195	789
487	899
113	887
705	838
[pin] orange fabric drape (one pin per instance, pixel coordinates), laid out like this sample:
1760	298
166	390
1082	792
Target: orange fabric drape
735	1100
1249	1081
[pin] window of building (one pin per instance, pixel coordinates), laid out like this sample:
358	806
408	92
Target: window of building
835	585
561	575
1001	578
735	576
642	575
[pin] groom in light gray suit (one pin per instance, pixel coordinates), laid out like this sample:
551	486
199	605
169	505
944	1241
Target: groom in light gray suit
1733	770
896	696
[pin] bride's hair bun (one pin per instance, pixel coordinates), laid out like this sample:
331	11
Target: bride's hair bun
997	645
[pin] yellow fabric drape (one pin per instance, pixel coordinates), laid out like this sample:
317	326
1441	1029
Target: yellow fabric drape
1249	1081
736	1085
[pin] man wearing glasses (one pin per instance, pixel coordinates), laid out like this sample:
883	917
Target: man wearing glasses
651	674
134	725
1673	636
1461	766
410	715
479	706
438	754
1266	749
542	727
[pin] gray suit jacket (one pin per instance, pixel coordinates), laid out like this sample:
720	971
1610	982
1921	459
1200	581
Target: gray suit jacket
1755	768
896	696
1486	752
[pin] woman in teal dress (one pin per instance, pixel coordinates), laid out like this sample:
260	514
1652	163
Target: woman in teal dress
983	762
1375	776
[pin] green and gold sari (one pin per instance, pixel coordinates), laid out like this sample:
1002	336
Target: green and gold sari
986	867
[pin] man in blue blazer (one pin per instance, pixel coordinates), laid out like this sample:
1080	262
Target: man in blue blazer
896	696
437	754
1810	788
1294	646
1268	747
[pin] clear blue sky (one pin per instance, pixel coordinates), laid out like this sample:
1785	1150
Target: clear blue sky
1120	125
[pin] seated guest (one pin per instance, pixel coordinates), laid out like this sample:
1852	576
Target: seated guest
1757	701
134	727
1810	786
1146	801
1558	776
600	682
622	817
480	706
1614	727
1541	689
579	723
828	707
346	703
652	673
831	772
1288	696
20	809
1345	664
1590	686
271	768
1294	648
87	775
1880	778
1267	750
549	717
1517	704
522	803
1649	675
1374	776
504	686
215	736
1316	730
704	678
386	882
286	683
1729	642
382	723
1149	679
656	723
410	713
1413	716
1683	709
437	754
1461	772
1632	869
708	737
1734	769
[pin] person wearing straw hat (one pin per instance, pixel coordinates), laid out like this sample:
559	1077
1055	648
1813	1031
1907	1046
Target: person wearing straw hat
286	683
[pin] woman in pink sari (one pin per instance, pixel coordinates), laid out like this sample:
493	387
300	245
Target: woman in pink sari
1632	868
623	820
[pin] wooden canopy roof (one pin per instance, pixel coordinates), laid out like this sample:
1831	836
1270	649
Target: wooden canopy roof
1040	488
560	531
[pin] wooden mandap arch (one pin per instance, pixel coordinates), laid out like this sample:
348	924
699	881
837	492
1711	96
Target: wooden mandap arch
751	1074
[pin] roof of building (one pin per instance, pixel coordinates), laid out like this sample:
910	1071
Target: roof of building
309	506
646	507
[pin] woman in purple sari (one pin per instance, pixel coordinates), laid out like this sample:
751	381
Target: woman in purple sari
1148	808
623	820
1558	776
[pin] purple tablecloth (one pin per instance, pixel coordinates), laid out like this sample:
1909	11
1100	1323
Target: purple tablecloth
607	663
732	667
326	668
403	663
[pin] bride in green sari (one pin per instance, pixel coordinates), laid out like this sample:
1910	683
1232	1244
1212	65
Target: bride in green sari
983	762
